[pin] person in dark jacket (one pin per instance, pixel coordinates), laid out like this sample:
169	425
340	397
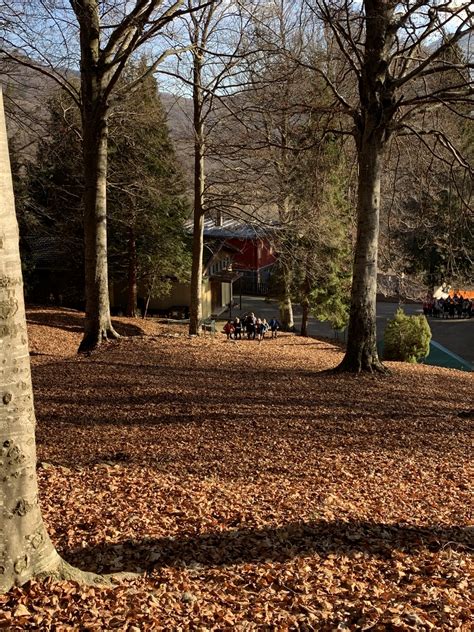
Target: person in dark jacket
250	322
274	327
229	329
237	329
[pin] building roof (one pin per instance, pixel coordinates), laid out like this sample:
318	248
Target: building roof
226	276
233	228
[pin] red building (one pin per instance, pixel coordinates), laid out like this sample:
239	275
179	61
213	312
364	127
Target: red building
254	254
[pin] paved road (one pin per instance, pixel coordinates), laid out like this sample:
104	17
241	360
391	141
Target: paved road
456	335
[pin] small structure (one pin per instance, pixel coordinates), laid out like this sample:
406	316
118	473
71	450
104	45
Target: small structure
254	254
217	285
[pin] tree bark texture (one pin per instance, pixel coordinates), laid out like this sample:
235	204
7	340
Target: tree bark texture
305	291
361	352
94	113
286	306
286	314
377	107
304	317
195	311
25	548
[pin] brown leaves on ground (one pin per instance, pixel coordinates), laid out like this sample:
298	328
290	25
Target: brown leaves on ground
251	489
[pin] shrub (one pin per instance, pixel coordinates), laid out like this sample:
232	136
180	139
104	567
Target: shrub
407	338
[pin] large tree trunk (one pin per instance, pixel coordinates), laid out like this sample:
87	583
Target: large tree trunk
361	353
378	104
98	325
25	548
305	291
94	112
132	293
286	314
285	303
195	311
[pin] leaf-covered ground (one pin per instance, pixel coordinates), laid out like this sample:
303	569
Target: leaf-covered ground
249	488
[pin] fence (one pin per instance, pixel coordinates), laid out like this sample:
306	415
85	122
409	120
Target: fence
252	287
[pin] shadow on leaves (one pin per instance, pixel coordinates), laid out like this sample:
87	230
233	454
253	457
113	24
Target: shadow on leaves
72	321
279	544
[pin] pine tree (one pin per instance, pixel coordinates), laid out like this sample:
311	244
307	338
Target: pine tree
146	204
324	246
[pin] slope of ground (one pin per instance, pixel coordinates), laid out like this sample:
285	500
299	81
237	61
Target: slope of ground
249	488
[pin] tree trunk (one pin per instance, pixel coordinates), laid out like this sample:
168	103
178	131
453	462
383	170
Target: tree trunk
377	107
94	113
286	314
25	548
132	274
304	318
98	325
286	307
361	353
195	311
305	291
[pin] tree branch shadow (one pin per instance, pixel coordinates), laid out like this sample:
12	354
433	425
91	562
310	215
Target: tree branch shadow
269	544
72	321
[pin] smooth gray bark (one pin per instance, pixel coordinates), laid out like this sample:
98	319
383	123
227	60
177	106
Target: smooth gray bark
195	312
377	107
25	548
285	303
361	352
95	80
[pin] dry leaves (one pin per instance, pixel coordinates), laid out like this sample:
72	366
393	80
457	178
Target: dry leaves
249	488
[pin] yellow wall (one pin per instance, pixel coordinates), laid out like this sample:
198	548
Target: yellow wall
180	295
225	293
206	298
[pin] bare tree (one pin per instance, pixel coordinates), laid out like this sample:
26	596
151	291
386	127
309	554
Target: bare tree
100	38
263	149
392	53
211	37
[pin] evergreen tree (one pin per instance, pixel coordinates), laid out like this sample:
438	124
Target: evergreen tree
146	204
324	245
50	208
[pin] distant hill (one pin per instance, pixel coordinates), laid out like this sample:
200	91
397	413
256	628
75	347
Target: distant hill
26	93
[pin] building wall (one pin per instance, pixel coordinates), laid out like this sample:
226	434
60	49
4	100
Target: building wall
252	253
206	298
226	293
180	295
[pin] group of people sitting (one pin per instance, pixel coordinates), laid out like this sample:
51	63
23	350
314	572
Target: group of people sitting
450	307
251	326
